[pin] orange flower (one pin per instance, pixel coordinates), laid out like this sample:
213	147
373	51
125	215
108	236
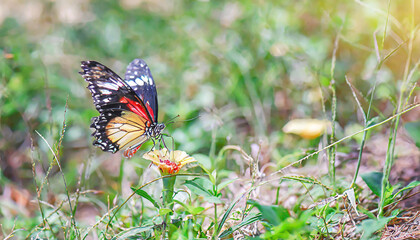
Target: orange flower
168	162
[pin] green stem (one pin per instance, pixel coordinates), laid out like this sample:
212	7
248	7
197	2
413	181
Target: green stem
167	199
215	222
120	177
333	150
168	191
389	161
366	117
213	143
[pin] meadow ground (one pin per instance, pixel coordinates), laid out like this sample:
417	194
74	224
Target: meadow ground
297	120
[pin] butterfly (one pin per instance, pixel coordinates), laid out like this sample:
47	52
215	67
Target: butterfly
128	108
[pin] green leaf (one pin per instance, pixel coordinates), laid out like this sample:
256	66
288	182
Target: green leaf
374	181
390	193
145	195
202	187
164	211
370	226
132	232
226	214
203	160
213	199
411	185
367	212
251	218
413	129
372	121
187	207
291	228
213	177
197	210
190	209
271	213
225	183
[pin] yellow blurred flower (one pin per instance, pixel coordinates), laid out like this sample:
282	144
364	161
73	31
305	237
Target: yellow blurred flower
306	128
168	162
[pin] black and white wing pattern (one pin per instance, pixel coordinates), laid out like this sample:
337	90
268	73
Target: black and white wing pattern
124	119
139	78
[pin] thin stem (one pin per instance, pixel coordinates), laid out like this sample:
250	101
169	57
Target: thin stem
344	138
215	222
142	186
389	161
213	143
120	178
332	151
365	118
386	24
38	195
64	179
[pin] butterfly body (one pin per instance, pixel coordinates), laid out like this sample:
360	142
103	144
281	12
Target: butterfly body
128	108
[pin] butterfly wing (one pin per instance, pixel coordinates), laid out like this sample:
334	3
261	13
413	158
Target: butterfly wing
139	78
123	116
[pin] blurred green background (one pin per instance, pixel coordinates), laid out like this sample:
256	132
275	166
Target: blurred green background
243	67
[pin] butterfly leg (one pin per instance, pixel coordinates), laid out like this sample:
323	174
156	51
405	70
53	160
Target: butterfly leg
154	144
166	135
163	141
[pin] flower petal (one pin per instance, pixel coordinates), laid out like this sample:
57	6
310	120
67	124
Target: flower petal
168	162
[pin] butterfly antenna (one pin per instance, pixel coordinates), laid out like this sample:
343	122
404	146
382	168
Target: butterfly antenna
186	120
171	120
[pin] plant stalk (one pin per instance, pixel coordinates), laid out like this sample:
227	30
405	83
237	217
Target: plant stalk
167	199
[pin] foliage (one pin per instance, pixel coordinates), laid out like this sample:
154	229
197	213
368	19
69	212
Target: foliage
236	73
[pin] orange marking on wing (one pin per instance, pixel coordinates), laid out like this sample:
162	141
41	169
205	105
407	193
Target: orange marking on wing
127	139
125	129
